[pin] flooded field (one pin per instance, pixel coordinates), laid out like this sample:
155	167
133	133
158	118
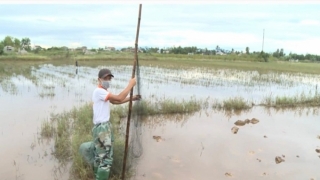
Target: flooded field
203	145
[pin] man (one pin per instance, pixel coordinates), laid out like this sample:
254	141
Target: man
102	130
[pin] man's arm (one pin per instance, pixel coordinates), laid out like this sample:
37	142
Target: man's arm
134	98
122	96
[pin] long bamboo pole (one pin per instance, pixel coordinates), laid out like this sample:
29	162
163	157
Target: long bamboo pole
130	102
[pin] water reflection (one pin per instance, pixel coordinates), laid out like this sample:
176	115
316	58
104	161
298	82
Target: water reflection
202	146
161	120
297	111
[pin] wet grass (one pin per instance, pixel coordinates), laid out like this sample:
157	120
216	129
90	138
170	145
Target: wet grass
299	100
47	129
168	106
232	104
296	101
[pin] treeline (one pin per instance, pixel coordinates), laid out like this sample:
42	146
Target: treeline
25	44
279	53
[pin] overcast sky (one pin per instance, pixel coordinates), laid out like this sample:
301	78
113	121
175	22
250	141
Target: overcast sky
294	27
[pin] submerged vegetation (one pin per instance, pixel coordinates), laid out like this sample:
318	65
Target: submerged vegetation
299	100
234	104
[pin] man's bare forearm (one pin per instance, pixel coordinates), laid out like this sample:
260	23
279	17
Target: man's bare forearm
121	102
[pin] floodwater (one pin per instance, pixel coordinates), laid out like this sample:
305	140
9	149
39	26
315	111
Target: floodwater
199	146
203	147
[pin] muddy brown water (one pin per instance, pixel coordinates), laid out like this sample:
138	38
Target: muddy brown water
200	146
203	147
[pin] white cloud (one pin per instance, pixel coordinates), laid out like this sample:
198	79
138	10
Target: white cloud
47	19
310	22
303	46
201	39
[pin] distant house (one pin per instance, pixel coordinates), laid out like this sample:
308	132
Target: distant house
220	53
89	52
110	48
23	51
8	49
64	48
128	49
164	51
293	60
83	49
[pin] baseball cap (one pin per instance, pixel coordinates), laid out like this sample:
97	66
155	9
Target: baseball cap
104	72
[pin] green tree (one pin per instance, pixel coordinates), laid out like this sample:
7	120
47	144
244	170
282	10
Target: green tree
25	43
17	43
8	41
1	47
217	48
264	56
247	50
276	54
281	54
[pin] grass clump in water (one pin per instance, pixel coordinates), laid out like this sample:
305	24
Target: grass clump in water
301	100
235	103
47	129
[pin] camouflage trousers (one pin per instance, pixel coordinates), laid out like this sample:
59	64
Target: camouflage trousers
103	150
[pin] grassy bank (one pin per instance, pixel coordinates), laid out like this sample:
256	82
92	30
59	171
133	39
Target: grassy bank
173	61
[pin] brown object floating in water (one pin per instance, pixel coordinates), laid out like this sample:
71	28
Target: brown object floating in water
318	150
265	136
247	121
240	123
279	159
254	121
157	138
228	174
234	130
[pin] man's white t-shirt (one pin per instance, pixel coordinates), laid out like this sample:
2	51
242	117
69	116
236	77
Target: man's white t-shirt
101	107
